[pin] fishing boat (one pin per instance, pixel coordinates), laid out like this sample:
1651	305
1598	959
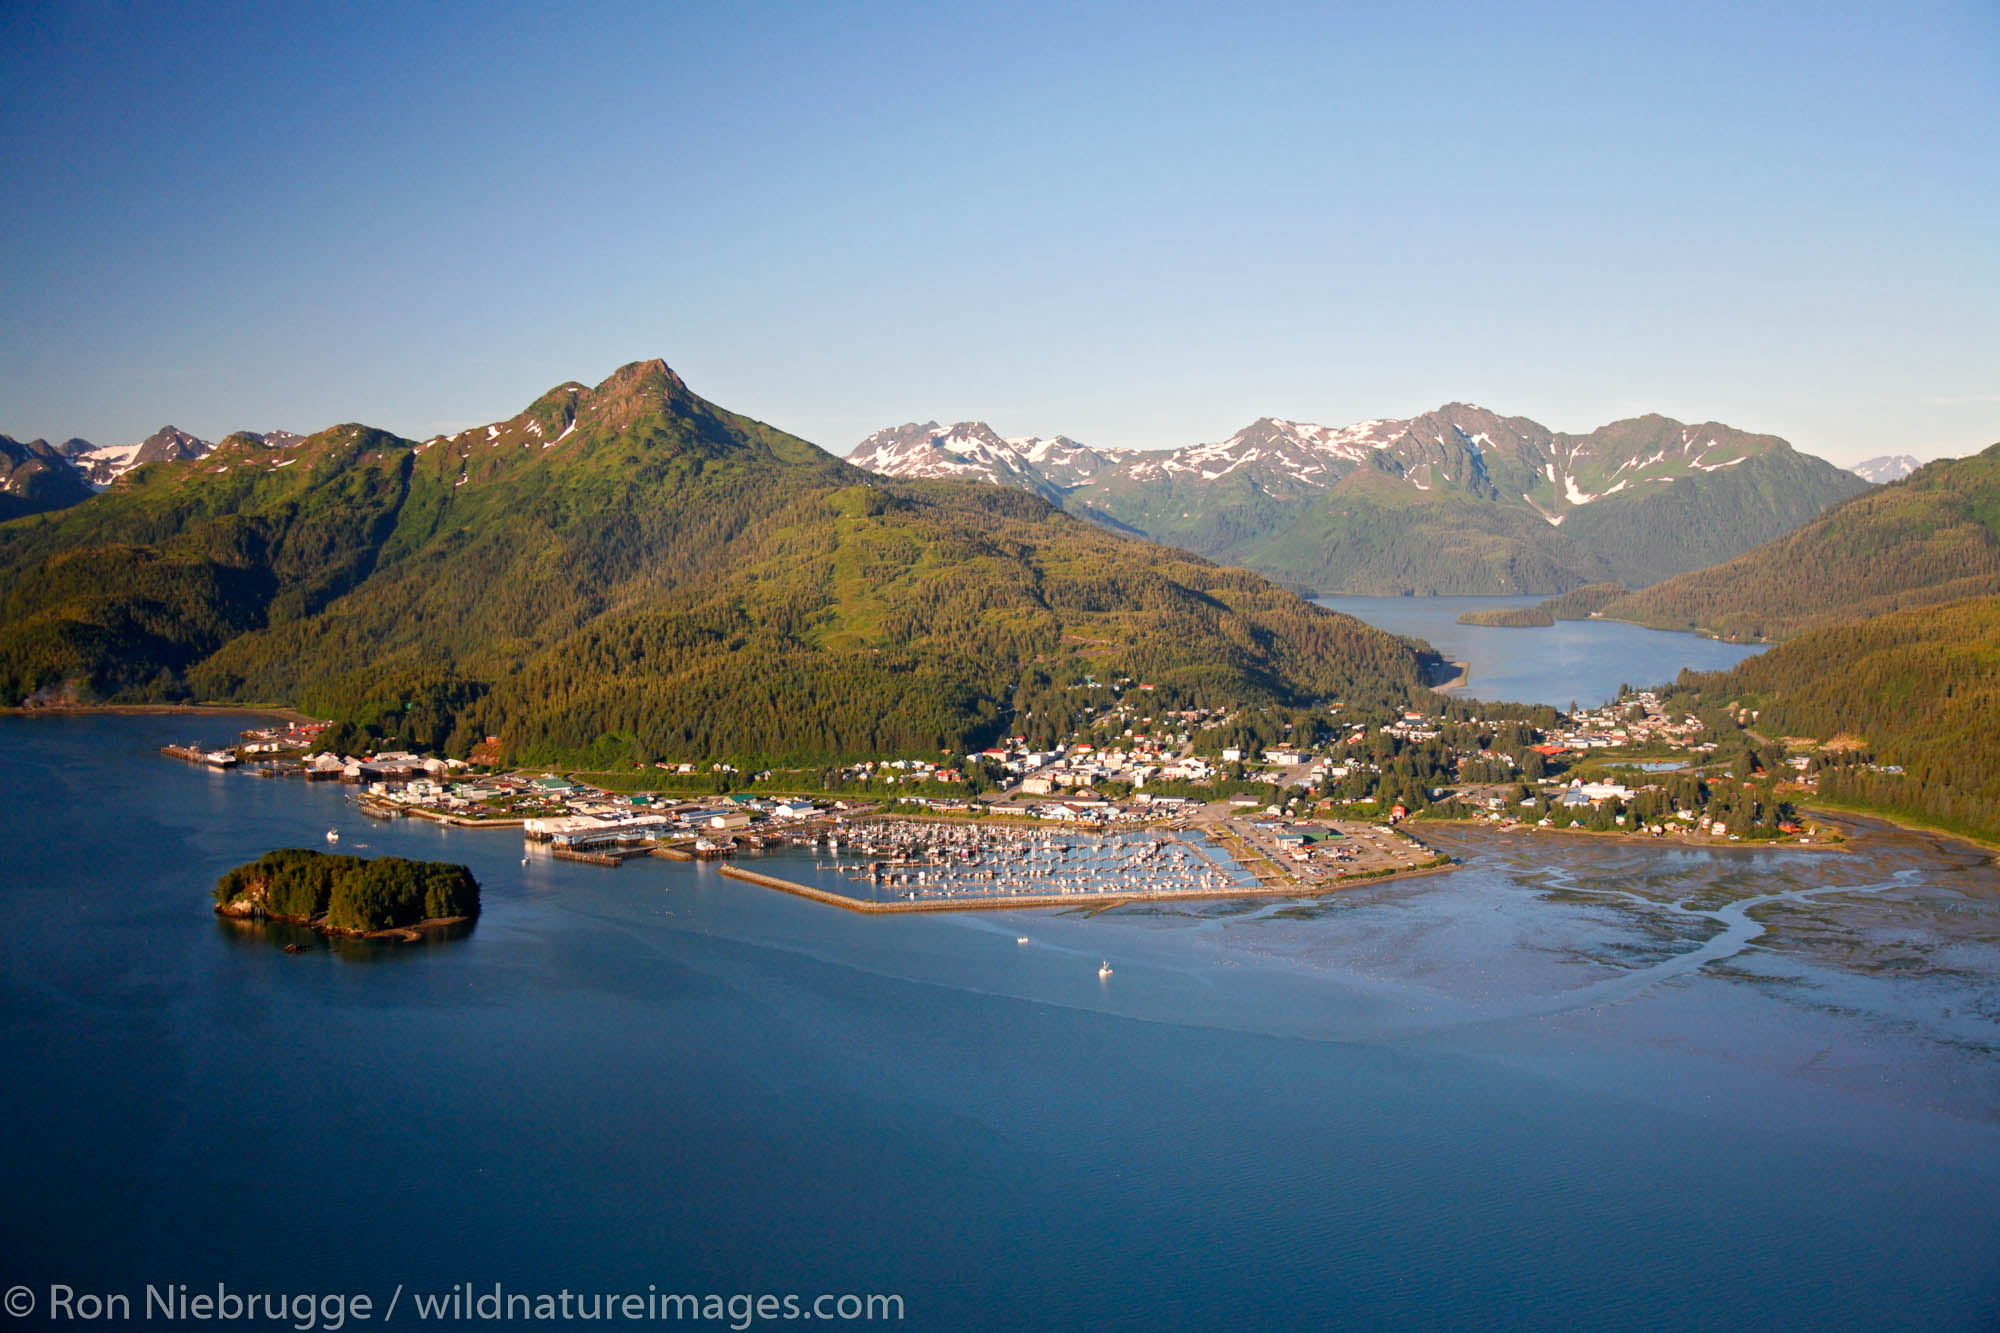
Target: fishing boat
1104	969
1020	939
333	835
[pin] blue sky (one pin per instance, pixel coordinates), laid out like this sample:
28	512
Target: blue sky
1138	225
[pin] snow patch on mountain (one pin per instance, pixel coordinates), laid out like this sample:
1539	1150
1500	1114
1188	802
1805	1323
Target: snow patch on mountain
1885	469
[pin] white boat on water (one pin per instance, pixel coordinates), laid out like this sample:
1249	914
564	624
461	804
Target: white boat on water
1020	939
1104	969
333	835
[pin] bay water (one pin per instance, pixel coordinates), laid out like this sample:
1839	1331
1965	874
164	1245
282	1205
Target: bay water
1573	1083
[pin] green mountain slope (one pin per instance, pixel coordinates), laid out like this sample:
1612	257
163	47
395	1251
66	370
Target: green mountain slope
1915	690
1373	535
1932	537
630	571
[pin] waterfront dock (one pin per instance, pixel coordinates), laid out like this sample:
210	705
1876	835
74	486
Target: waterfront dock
194	754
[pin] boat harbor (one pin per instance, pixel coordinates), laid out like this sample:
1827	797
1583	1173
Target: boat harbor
919	862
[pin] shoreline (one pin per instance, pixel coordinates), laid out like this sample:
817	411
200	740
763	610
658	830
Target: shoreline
147	710
1648	840
1905	823
1457	681
409	934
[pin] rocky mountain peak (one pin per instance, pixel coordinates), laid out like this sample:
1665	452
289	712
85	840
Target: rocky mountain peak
1886	468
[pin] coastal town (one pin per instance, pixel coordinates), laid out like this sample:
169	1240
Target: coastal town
1135	804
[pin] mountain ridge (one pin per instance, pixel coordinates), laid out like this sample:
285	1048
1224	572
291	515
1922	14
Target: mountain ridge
1928	538
629	572
1886	468
1375	507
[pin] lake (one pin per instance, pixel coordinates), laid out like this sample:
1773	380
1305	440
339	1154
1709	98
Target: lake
1571	661
1573	1083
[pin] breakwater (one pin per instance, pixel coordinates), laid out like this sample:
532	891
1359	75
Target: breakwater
1096	901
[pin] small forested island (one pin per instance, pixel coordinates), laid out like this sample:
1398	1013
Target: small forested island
348	895
1576	604
1509	617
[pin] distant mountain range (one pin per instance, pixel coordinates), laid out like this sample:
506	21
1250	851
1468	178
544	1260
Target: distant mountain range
1886	468
1458	501
970	451
37	477
628	572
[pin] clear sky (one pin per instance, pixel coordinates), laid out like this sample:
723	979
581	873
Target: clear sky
1138	225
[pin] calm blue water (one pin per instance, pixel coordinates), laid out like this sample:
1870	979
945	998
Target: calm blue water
1572	661
1379	1111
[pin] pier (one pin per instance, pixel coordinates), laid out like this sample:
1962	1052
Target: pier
194	754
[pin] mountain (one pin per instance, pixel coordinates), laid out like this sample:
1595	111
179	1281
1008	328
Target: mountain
86	468
1886	468
37	477
973	451
1460	500
1907	701
630	572
1932	537
168	444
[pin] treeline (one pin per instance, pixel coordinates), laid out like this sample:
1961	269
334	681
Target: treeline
347	893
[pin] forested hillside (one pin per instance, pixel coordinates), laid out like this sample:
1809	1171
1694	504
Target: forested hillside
1916	691
631	572
1932	537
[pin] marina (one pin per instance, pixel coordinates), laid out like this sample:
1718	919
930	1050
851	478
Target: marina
893	866
920	862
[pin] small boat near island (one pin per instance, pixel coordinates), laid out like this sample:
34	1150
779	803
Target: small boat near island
333	835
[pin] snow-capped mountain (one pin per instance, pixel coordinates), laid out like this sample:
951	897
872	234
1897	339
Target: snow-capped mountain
1458	499
102	465
1276	454
37	476
1887	468
974	451
71	472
